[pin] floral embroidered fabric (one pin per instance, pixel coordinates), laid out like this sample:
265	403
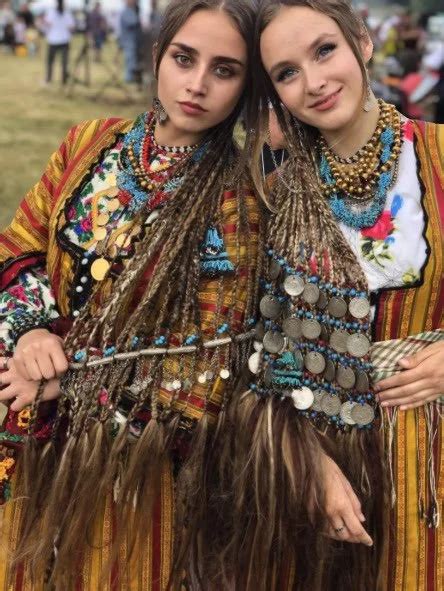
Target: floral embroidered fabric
393	251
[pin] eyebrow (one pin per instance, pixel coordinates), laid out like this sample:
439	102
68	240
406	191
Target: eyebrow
218	58
313	45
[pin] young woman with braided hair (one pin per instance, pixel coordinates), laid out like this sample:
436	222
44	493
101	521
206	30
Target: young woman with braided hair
349	364
129	280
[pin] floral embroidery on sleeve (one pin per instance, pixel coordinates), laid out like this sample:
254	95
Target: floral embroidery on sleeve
377	240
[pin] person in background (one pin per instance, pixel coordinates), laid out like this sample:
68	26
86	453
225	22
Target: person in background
58	25
98	29
130	35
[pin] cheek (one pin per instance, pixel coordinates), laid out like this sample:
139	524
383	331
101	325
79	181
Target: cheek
226	98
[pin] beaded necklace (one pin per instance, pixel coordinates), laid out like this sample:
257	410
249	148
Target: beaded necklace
365	178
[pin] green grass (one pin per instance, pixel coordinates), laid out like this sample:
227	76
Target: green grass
35	119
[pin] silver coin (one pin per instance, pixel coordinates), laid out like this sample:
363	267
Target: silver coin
363	414
337	307
274	270
345	412
315	362
330	371
322	302
270	306
311	293
294	285
318	396
254	362
331	405
298	359
274	341
292	327
303	398
338	340
259	330
359	307
358	345
362	382
345	377
311	329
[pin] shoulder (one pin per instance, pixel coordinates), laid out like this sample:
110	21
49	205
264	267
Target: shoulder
96	131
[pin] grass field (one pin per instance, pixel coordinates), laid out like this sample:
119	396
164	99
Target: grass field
34	119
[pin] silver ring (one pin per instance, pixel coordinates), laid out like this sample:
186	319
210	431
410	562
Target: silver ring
339	529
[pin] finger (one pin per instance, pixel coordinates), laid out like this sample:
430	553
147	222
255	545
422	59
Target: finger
337	530
410	405
417	358
8	393
404	391
33	369
418	396
20	367
353	498
59	361
21	402
355	528
400	379
46	366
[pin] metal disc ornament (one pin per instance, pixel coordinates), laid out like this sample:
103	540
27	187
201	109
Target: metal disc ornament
292	327
254	362
330	371
337	307
345	412
362	382
274	341
294	285
331	405
345	377
318	396
99	269
311	329
315	362
359	307
270	306
274	270
257	345
338	340
311	293
358	345
322	302
113	205
303	398
363	414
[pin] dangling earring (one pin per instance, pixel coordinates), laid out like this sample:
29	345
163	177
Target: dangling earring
159	112
369	99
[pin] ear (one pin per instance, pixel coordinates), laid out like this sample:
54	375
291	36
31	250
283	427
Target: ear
366	46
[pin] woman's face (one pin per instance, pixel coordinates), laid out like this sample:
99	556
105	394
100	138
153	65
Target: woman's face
202	74
312	68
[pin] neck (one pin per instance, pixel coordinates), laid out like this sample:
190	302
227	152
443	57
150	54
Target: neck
346	141
168	134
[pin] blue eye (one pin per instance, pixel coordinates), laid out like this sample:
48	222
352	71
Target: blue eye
326	49
286	74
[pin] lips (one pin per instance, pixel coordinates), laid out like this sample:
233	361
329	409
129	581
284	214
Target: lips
326	102
192	108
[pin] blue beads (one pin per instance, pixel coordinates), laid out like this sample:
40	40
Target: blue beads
159	341
191	339
223	328
80	355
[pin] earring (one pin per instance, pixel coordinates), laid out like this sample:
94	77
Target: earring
159	112
369	99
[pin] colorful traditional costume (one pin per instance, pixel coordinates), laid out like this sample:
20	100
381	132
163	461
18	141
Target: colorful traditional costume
73	235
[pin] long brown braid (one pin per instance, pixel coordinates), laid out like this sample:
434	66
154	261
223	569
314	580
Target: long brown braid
262	526
83	460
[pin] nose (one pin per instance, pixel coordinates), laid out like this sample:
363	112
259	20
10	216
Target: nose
315	80
197	84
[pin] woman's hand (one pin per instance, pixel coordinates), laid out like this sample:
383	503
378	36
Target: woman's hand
24	391
342	507
39	354
422	380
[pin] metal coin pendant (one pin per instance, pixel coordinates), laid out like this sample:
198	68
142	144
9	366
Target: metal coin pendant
258	346
311	293
102	219
358	345
294	285
331	405
259	331
338	340
274	341
303	398
120	240
362	382
254	362
345	412
270	307
359	307
274	270
99	269
345	377
363	414
315	362
337	307
99	234
322	302
318	396
311	329
113	192
330	371
292	327
113	205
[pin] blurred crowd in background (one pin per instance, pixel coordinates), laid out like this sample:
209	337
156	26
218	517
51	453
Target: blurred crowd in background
407	68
